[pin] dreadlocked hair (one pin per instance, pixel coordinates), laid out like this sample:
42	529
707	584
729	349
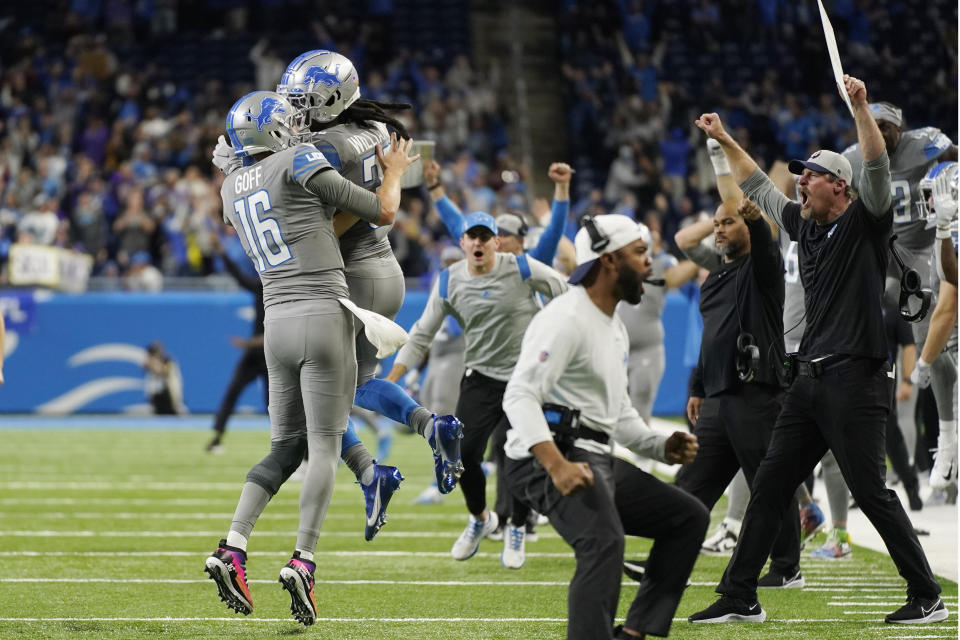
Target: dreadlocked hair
363	111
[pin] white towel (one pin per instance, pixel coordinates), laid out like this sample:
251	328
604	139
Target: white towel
385	334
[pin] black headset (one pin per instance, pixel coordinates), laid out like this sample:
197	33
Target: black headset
524	227
911	285
747	359
598	241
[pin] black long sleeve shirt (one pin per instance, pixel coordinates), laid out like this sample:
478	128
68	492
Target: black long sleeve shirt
745	295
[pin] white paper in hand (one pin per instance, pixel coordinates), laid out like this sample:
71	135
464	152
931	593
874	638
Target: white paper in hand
385	334
834	55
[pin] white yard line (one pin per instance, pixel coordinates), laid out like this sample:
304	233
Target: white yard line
132	515
152	485
47	533
363	620
416	583
239	619
257	554
875	603
869	597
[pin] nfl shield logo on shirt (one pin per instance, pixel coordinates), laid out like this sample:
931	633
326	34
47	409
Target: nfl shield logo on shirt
544	355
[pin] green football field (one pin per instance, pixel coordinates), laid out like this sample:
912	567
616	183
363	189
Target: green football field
103	534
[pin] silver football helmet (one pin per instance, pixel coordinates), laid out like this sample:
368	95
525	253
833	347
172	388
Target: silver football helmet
941	179
320	84
261	121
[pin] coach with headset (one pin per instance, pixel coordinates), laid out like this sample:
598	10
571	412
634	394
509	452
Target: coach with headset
567	402
840	394
737	388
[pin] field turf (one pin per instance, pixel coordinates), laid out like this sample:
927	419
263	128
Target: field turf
103	534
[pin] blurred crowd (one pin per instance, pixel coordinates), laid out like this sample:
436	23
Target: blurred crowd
109	110
639	72
108	120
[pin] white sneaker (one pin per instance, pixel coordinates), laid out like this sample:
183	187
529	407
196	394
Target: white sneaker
513	547
944	471
469	541
723	542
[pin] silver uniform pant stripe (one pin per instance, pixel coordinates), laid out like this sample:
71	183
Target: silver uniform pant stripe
312	369
645	370
441	385
943	382
376	284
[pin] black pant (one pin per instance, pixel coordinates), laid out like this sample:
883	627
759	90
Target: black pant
251	365
734	432
480	408
844	410
504	501
928	429
163	403
623	500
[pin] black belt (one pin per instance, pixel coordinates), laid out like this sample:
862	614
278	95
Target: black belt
596	436
566	426
820	366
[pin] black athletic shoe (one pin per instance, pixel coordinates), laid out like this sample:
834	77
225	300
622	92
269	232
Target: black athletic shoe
727	609
776	581
919	611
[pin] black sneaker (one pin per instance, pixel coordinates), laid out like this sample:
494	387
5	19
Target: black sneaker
776	581
919	611
727	609
635	569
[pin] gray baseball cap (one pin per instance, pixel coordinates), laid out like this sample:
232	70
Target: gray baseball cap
824	161
511	223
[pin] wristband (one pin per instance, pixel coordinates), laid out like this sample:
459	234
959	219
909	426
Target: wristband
720	165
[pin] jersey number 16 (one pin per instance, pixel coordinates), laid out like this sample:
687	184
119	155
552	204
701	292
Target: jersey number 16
262	232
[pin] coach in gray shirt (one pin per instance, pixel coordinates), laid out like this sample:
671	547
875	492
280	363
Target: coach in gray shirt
492	296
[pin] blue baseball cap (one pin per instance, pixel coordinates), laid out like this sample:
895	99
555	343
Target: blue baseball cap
480	219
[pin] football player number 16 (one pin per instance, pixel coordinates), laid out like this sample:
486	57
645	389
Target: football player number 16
262	232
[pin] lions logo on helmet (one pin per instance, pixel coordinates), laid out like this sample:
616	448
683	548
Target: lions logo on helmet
320	84
260	121
319	75
267	108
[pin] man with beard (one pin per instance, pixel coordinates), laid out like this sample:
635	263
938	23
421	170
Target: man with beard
737	390
840	394
567	401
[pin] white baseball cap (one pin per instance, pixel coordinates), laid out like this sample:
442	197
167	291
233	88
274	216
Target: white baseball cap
610	232
824	161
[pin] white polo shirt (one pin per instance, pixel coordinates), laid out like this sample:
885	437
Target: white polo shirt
575	355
